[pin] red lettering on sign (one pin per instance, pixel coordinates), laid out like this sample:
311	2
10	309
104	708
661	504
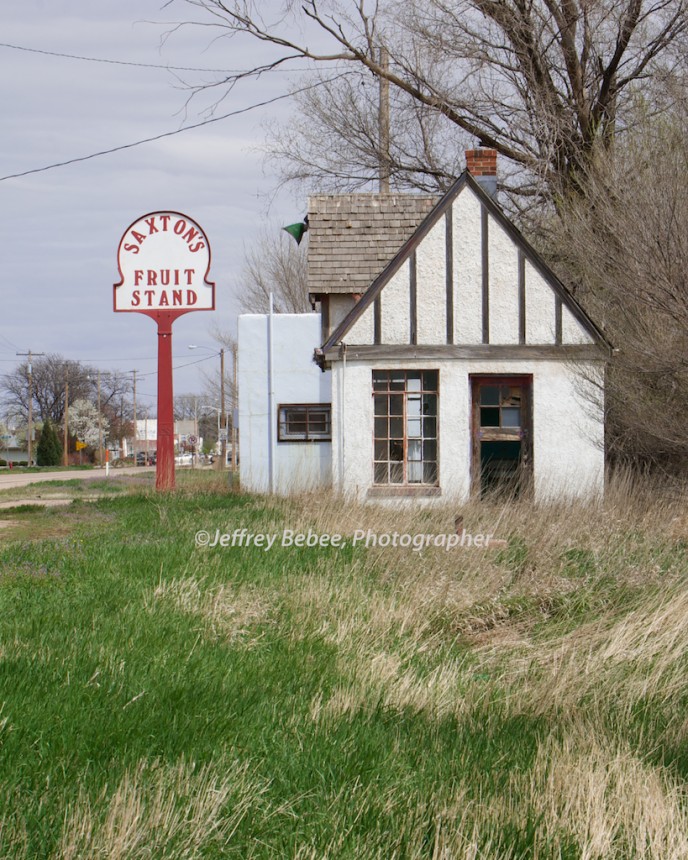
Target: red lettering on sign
151	226
163	303
138	275
133	248
191	297
136	298
176	297
149	295
189	276
180	226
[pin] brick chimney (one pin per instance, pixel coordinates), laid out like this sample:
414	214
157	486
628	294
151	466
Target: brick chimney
482	165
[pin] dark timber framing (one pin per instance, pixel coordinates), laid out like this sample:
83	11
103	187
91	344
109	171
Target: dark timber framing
557	321
377	320
603	347
413	300
485	254
481	351
449	271
521	296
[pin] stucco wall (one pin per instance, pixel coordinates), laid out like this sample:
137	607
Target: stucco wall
297	379
568	435
467	299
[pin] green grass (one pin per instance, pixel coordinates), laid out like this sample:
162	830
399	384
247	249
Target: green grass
159	700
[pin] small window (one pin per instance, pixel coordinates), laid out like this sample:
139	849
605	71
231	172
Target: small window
304	422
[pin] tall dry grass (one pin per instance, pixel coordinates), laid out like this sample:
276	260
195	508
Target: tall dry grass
164	811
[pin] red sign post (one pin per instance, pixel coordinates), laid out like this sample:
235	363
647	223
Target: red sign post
164	260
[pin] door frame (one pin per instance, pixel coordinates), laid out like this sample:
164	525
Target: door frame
524	434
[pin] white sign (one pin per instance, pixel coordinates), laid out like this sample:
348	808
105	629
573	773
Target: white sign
164	259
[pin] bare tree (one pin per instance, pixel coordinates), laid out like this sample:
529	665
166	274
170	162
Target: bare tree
50	376
545	82
275	264
625	244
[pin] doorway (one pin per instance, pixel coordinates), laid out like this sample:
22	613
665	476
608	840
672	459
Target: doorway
501	435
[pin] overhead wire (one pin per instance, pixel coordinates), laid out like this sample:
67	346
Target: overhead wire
136	64
170	133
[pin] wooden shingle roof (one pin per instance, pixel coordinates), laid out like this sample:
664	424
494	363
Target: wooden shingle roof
352	237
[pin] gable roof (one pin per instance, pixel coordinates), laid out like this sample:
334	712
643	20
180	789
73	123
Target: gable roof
351	237
409	246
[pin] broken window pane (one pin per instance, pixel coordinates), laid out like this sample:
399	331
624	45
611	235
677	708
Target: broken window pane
489	416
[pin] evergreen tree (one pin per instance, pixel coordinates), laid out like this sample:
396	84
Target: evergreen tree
49	451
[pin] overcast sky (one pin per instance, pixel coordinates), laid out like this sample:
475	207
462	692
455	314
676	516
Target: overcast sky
60	228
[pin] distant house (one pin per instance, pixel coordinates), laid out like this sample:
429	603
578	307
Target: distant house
12	449
457	358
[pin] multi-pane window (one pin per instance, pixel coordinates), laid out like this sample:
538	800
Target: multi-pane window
500	406
405	444
304	422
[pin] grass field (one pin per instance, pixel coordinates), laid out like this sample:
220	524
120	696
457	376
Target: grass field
160	699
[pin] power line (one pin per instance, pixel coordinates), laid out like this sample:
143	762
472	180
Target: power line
168	133
138	65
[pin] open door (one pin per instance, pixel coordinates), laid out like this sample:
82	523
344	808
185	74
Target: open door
502	457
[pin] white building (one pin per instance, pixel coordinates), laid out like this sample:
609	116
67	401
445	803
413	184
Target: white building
284	405
460	368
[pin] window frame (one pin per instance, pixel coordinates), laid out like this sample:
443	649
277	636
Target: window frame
406	417
307	436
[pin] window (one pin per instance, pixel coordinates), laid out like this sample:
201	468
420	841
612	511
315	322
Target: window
405	443
304	422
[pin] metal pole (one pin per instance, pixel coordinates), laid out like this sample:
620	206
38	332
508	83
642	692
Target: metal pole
223	443
164	475
135	425
271	403
235	437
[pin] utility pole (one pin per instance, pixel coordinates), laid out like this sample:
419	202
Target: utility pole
100	428
65	452
383	124
29	432
135	425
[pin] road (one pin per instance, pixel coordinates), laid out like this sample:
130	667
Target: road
9	481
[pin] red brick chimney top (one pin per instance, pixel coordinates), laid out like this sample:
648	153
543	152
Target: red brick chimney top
481	162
